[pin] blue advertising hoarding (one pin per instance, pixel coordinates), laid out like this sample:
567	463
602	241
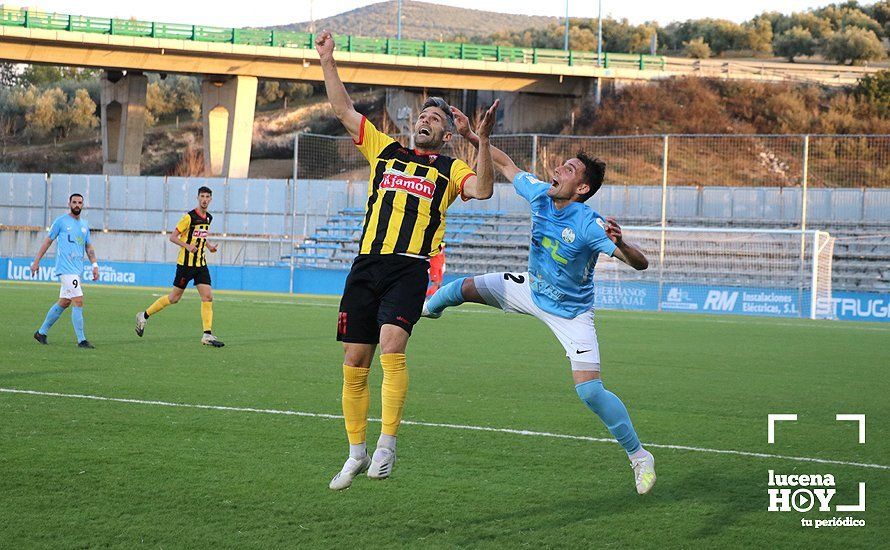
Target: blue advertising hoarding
633	295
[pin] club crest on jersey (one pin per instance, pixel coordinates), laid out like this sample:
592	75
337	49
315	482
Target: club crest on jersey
413	185
568	235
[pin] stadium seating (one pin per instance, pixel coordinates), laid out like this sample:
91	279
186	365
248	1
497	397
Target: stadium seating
490	241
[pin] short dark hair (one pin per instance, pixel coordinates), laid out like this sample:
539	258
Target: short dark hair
443	105
205	189
594	173
74	195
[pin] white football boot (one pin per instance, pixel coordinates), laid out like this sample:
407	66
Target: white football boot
382	463
351	468
140	323
426	312
211	340
644	472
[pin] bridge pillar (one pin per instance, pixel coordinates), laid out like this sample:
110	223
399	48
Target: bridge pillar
227	105
123	122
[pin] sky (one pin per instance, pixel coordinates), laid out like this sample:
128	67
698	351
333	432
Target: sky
262	13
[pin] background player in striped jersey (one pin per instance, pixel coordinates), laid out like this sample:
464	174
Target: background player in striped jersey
72	236
409	192
190	235
567	237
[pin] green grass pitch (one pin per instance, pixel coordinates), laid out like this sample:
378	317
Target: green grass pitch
76	472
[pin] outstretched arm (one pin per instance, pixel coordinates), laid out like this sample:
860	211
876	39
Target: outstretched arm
340	101
35	265
482	186
626	252
502	162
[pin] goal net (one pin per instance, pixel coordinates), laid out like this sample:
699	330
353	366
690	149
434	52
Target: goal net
784	273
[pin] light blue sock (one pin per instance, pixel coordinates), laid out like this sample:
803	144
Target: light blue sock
77	321
51	317
447	296
611	411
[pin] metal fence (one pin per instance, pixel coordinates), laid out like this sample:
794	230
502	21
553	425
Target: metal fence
785	178
835	161
781	182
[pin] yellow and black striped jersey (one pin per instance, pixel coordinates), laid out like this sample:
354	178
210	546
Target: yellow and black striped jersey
193	229
408	195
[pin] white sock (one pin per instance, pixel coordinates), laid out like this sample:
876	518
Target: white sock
639	454
388	441
358	451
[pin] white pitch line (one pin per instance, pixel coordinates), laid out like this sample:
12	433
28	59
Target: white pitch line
529	433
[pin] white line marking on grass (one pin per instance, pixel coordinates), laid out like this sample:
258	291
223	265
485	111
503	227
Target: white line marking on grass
529	433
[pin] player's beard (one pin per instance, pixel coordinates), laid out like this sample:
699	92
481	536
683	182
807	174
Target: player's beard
75	210
432	142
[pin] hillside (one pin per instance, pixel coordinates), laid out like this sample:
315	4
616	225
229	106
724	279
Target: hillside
423	21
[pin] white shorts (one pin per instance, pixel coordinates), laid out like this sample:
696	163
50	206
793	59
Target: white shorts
512	293
70	286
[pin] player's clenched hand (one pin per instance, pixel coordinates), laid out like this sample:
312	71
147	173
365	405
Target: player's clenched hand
191	248
324	44
487	123
212	247
95	273
613	230
35	267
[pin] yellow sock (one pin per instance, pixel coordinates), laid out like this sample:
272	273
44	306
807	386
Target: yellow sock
356	398
207	315
394	389
159	304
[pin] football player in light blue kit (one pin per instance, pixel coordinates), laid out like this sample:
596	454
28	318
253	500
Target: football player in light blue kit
567	237
72	236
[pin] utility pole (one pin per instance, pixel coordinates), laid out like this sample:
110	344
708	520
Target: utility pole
566	42
399	24
599	36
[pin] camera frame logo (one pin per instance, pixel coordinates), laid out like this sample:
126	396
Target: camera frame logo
804	493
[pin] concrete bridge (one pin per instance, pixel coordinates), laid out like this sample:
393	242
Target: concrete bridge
231	61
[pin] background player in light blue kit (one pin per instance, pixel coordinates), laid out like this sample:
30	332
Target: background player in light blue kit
72	236
567	237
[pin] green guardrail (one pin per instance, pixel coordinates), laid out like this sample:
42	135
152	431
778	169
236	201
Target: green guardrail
284	39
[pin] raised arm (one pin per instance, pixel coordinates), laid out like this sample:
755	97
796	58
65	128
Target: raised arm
340	102
626	252
35	265
482	186
502	162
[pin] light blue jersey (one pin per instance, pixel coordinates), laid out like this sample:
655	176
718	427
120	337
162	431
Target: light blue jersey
71	238
564	249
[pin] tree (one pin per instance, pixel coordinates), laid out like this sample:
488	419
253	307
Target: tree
794	42
160	101
842	17
47	114
854	45
81	113
9	76
759	35
697	48
875	89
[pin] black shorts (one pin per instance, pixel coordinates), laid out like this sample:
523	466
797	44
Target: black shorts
185	273
381	290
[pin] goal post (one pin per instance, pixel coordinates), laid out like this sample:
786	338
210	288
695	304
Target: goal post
750	271
823	253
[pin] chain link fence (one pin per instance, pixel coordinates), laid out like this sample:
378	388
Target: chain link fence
828	161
